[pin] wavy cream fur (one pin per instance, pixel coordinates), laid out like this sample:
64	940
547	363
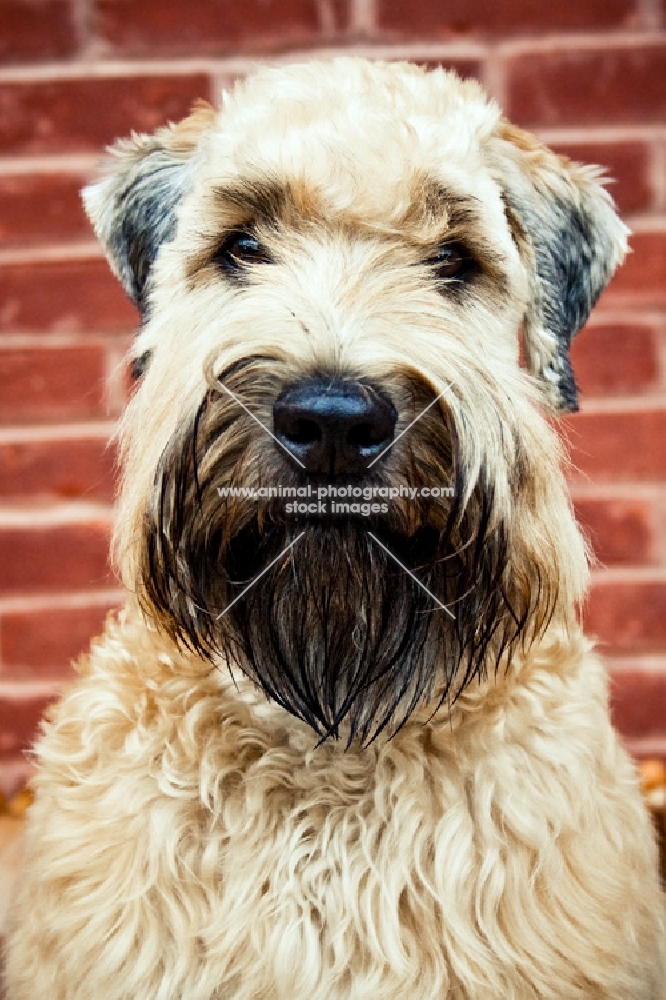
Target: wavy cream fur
189	839
191	842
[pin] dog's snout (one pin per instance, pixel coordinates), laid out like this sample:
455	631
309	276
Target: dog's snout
334	428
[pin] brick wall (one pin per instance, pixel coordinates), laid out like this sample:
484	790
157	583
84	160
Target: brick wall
587	75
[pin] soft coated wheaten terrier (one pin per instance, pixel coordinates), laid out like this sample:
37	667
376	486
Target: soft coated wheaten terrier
350	750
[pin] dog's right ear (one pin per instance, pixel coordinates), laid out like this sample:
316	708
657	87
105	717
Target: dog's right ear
133	206
571	241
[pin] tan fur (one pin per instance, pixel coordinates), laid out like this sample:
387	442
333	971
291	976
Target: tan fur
190	839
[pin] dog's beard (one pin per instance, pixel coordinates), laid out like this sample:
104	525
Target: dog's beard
334	631
319	613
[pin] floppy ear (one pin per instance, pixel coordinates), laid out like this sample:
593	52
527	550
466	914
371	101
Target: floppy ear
571	241
133	206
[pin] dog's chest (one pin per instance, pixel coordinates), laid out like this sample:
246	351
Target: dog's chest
338	861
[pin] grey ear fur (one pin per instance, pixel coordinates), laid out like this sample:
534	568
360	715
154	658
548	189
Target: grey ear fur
133	205
571	240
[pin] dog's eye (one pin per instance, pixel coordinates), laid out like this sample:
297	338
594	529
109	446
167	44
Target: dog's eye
241	248
452	260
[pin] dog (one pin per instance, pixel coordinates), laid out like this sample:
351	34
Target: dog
347	738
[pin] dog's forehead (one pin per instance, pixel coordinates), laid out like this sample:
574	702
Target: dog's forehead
365	133
348	91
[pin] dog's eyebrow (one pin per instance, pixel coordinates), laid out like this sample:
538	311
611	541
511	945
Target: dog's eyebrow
432	201
267	200
255	199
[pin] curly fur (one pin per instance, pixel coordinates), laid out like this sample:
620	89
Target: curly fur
190	841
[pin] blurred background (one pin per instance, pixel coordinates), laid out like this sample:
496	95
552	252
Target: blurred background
588	76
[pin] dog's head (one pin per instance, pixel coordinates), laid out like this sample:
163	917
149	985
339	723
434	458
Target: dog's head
333	272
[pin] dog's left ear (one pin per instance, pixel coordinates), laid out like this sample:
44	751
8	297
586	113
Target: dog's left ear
133	206
571	241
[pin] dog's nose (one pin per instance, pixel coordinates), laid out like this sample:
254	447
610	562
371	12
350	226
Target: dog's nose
334	428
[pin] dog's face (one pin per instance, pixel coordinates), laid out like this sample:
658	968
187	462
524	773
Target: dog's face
333	272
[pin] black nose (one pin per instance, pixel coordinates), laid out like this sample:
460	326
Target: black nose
334	428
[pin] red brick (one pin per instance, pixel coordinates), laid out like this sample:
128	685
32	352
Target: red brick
44	643
615	359
64	296
626	163
638	703
48	384
51	116
41	207
33	30
643	274
618	446
19	723
628	617
162	27
62	469
587	86
618	529
54	558
425	19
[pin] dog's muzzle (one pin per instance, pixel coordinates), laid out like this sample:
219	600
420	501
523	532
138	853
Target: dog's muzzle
346	620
